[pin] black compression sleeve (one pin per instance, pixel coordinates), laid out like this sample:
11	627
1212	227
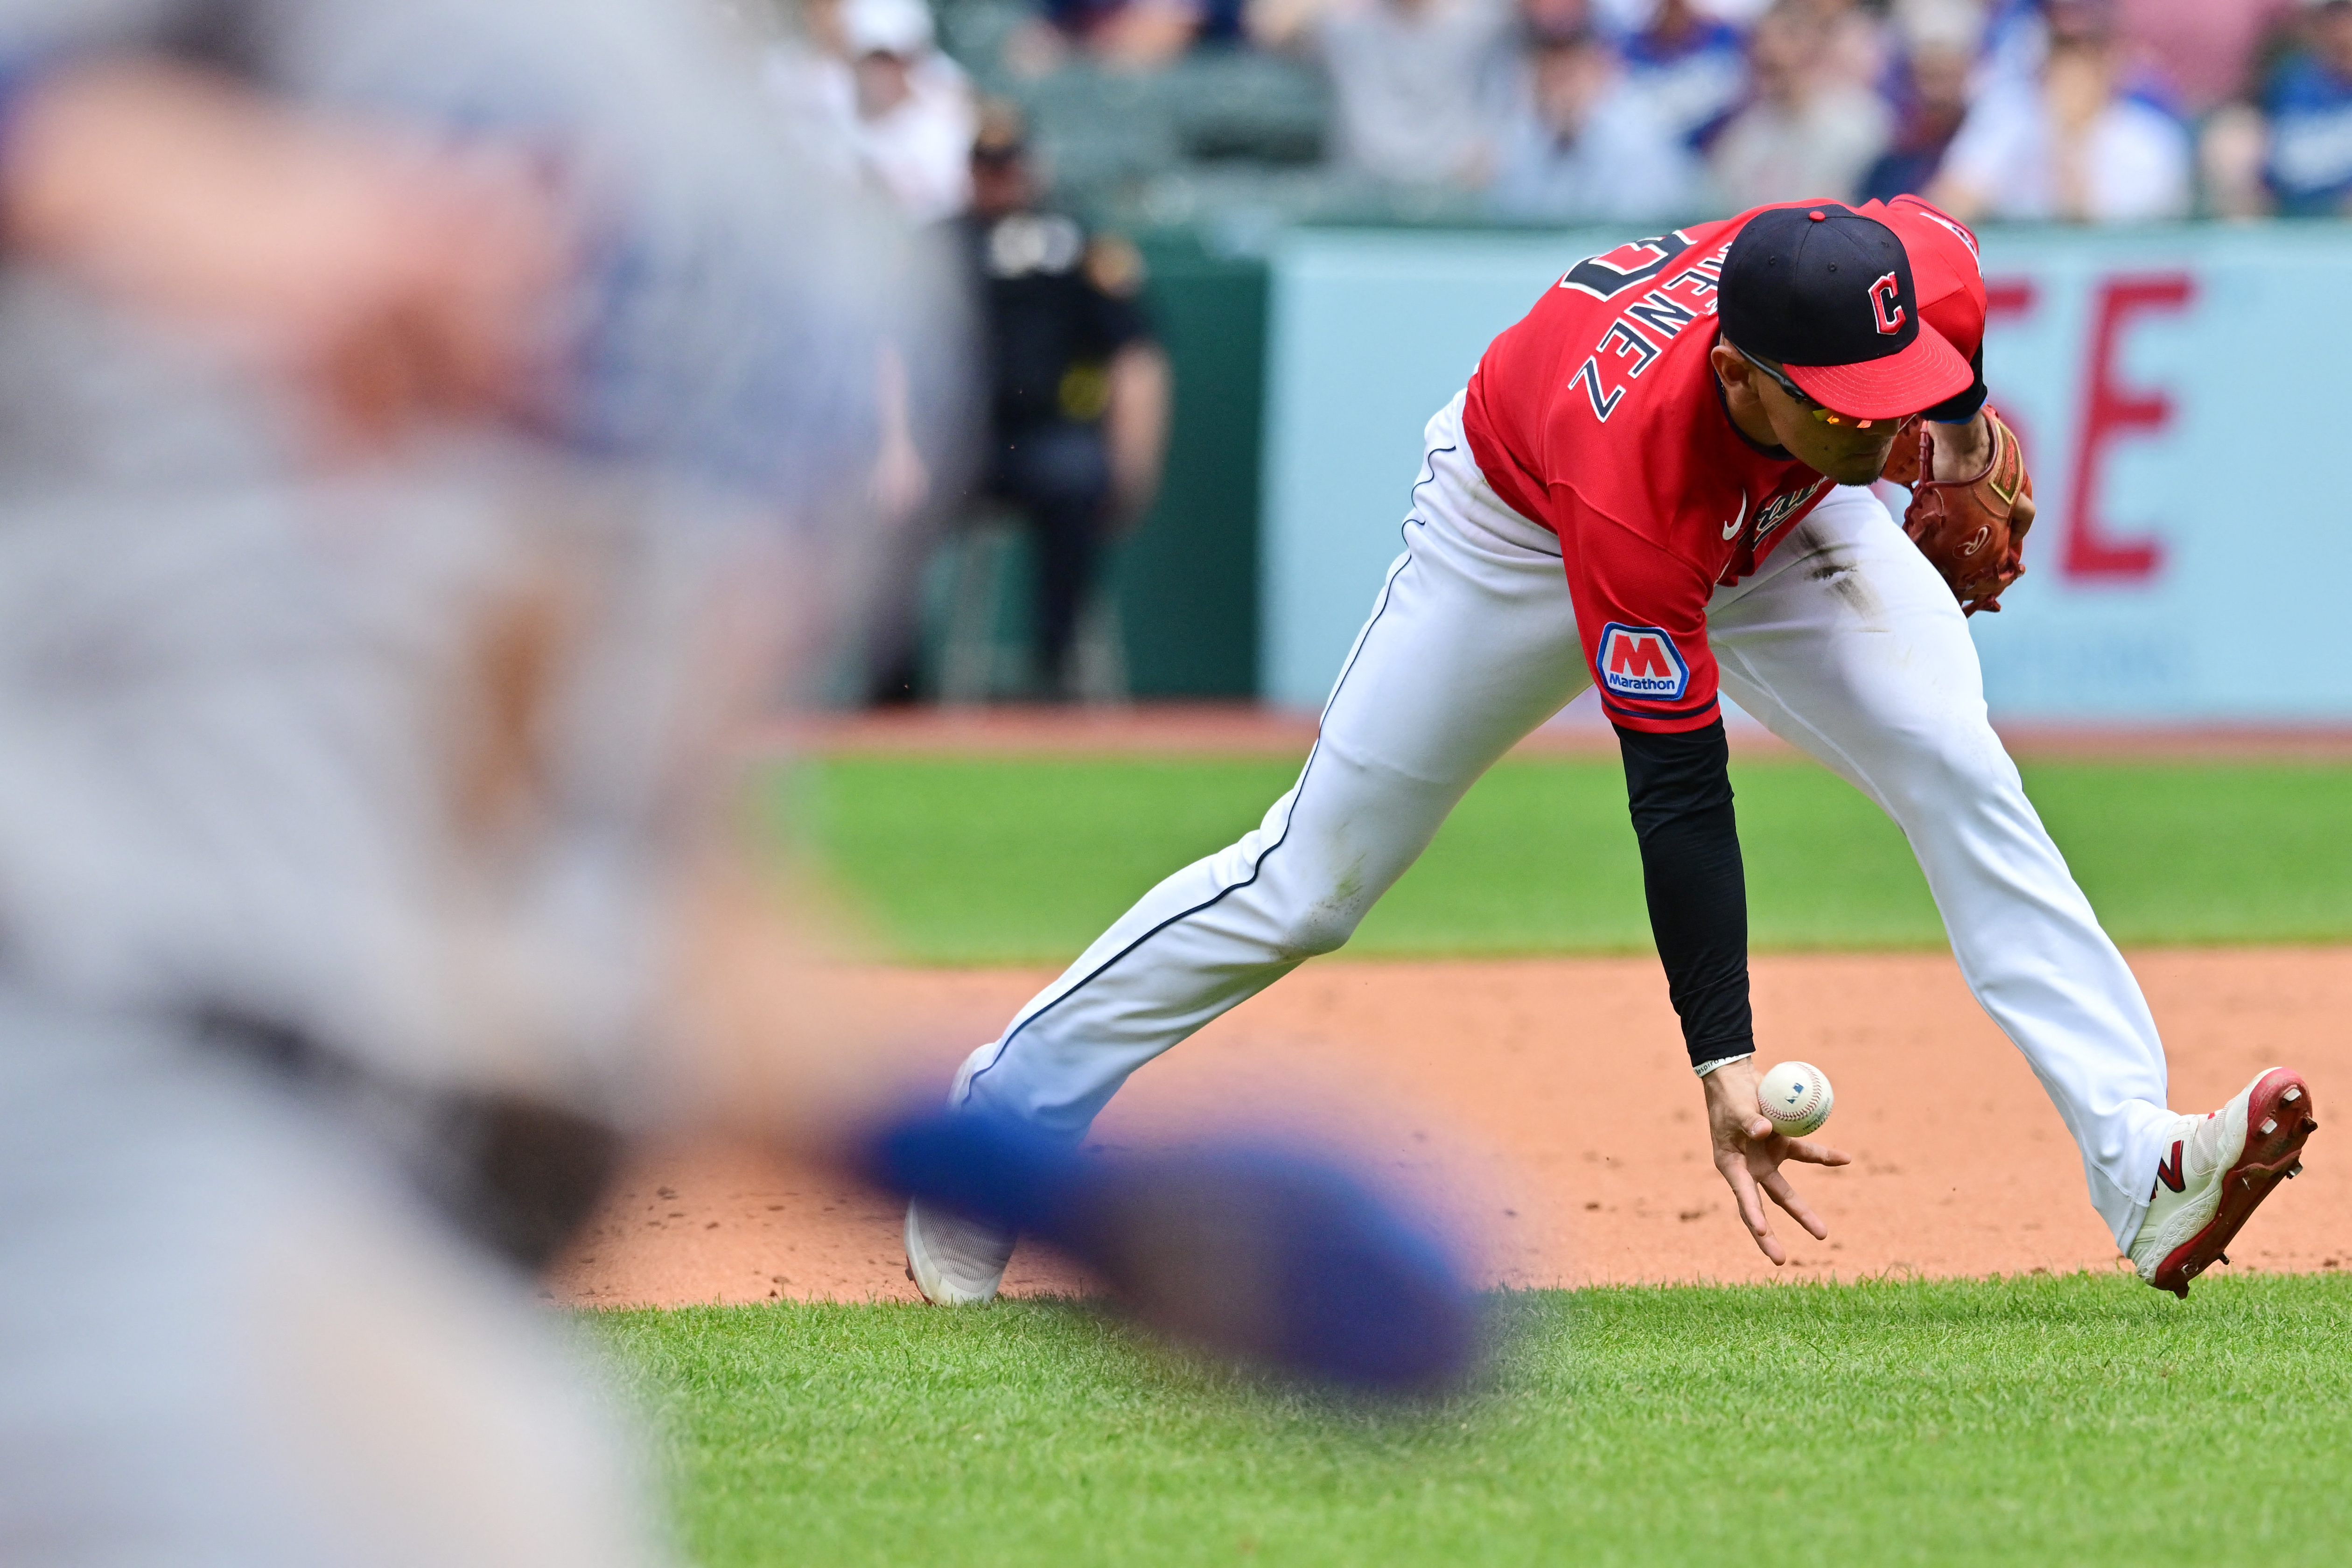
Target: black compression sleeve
1961	408
1679	787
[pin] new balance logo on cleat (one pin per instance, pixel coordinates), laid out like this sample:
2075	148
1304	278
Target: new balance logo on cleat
2219	1168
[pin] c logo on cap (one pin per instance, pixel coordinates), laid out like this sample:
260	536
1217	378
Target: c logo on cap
1882	304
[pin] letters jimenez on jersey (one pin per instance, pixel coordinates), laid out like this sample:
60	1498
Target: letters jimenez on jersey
1599	415
1650	318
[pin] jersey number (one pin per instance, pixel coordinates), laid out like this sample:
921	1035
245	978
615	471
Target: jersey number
1630	264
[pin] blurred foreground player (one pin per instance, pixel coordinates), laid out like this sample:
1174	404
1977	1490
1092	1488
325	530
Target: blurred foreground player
1656	482
421	426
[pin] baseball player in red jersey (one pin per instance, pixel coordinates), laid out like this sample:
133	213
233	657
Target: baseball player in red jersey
1656	482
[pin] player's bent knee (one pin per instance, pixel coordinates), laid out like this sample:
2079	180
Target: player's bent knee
1325	927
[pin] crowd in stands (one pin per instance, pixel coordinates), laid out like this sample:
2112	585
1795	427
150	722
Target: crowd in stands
1561	111
1018	126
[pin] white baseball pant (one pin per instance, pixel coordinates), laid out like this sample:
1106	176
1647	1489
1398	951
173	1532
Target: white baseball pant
1847	644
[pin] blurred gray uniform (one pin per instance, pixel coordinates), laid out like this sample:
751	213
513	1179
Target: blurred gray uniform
339	816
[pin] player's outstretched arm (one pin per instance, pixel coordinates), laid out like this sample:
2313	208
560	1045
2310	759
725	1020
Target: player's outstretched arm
1749	1153
1679	788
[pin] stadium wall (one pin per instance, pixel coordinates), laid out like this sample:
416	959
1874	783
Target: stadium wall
2172	386
1187	580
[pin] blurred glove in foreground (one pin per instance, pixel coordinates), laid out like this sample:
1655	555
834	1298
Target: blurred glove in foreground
1252	1250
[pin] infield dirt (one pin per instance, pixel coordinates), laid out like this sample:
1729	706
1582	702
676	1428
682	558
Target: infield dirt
1543	1109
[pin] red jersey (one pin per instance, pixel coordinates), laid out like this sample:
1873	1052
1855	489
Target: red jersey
1599	417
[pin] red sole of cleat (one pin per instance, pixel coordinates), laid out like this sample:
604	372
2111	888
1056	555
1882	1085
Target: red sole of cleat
2281	1101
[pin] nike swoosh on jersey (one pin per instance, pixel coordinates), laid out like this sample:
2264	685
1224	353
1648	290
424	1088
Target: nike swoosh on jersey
1731	528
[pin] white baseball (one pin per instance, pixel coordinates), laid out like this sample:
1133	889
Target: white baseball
1795	1098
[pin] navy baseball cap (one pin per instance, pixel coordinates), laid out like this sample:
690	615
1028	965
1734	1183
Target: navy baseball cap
1827	293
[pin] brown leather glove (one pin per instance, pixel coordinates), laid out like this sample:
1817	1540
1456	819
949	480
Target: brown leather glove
1971	530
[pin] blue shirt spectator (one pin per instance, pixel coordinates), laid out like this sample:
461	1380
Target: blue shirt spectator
1932	104
1414	83
2071	141
1691	67
1217	21
1584	146
2020	33
1808	129
2310	104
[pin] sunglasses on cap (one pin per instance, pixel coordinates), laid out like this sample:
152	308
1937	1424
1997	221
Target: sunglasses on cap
1797	393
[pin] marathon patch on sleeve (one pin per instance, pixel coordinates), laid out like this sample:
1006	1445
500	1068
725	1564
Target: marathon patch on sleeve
1642	662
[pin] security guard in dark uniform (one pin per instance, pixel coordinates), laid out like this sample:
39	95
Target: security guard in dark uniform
1077	388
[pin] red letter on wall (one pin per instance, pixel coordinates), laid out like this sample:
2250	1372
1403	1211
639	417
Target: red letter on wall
2007	299
2109	411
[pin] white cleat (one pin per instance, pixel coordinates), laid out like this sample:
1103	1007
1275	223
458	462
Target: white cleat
953	1261
2216	1168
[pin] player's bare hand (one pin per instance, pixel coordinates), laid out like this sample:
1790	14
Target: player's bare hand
1960	449
1749	1153
2020	519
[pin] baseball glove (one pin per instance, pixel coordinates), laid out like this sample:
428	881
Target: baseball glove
1971	530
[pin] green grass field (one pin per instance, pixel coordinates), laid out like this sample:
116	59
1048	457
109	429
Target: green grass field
2080	1420
1009	860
